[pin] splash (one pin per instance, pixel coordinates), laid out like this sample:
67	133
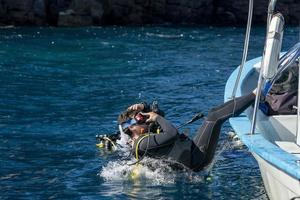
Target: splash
157	171
235	140
153	171
224	147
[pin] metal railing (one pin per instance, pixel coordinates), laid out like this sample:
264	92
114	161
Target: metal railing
271	10
246	47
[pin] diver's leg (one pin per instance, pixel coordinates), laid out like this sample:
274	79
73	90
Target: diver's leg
231	108
207	136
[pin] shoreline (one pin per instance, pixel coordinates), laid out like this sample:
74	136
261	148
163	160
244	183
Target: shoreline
72	13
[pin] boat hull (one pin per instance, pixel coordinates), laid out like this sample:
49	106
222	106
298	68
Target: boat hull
278	185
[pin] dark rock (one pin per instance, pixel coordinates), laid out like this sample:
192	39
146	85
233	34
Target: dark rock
225	17
175	2
3	13
99	12
19	12
19	5
39	8
81	13
68	18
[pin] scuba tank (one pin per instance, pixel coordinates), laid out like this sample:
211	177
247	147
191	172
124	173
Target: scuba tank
108	142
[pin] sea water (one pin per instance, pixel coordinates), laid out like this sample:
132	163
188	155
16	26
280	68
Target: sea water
59	87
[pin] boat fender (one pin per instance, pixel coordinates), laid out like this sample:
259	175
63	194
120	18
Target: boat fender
273	46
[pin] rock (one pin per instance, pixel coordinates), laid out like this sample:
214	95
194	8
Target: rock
193	11
84	7
18	11
99	12
39	11
175	2
18	5
3	8
121	10
67	12
39	8
3	13
68	18
81	13
225	17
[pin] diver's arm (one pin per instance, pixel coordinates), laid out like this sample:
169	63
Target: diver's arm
144	107
151	141
139	107
166	126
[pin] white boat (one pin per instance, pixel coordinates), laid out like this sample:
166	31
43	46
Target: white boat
273	140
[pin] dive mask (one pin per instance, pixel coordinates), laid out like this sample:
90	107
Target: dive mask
138	119
128	123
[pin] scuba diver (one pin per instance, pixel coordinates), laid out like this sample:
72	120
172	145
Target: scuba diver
150	134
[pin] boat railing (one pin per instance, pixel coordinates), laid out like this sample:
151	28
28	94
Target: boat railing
271	10
270	59
246	47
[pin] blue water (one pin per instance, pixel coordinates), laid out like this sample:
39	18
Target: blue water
60	87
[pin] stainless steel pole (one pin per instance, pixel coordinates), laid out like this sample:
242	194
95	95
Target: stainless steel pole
271	9
246	47
257	100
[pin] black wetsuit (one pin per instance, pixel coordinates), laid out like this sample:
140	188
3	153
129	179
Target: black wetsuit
193	153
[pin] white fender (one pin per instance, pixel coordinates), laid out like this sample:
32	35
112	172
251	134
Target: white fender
273	46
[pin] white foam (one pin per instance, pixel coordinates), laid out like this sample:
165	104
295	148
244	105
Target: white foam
164	35
124	139
154	171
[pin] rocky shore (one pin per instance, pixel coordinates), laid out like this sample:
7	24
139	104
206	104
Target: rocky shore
137	12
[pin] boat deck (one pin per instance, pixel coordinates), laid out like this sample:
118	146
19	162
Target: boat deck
290	147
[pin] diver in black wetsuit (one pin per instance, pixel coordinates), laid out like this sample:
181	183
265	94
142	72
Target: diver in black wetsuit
165	142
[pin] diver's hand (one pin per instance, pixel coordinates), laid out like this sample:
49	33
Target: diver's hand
152	116
138	106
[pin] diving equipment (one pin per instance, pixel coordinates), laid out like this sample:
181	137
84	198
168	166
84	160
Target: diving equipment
108	142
